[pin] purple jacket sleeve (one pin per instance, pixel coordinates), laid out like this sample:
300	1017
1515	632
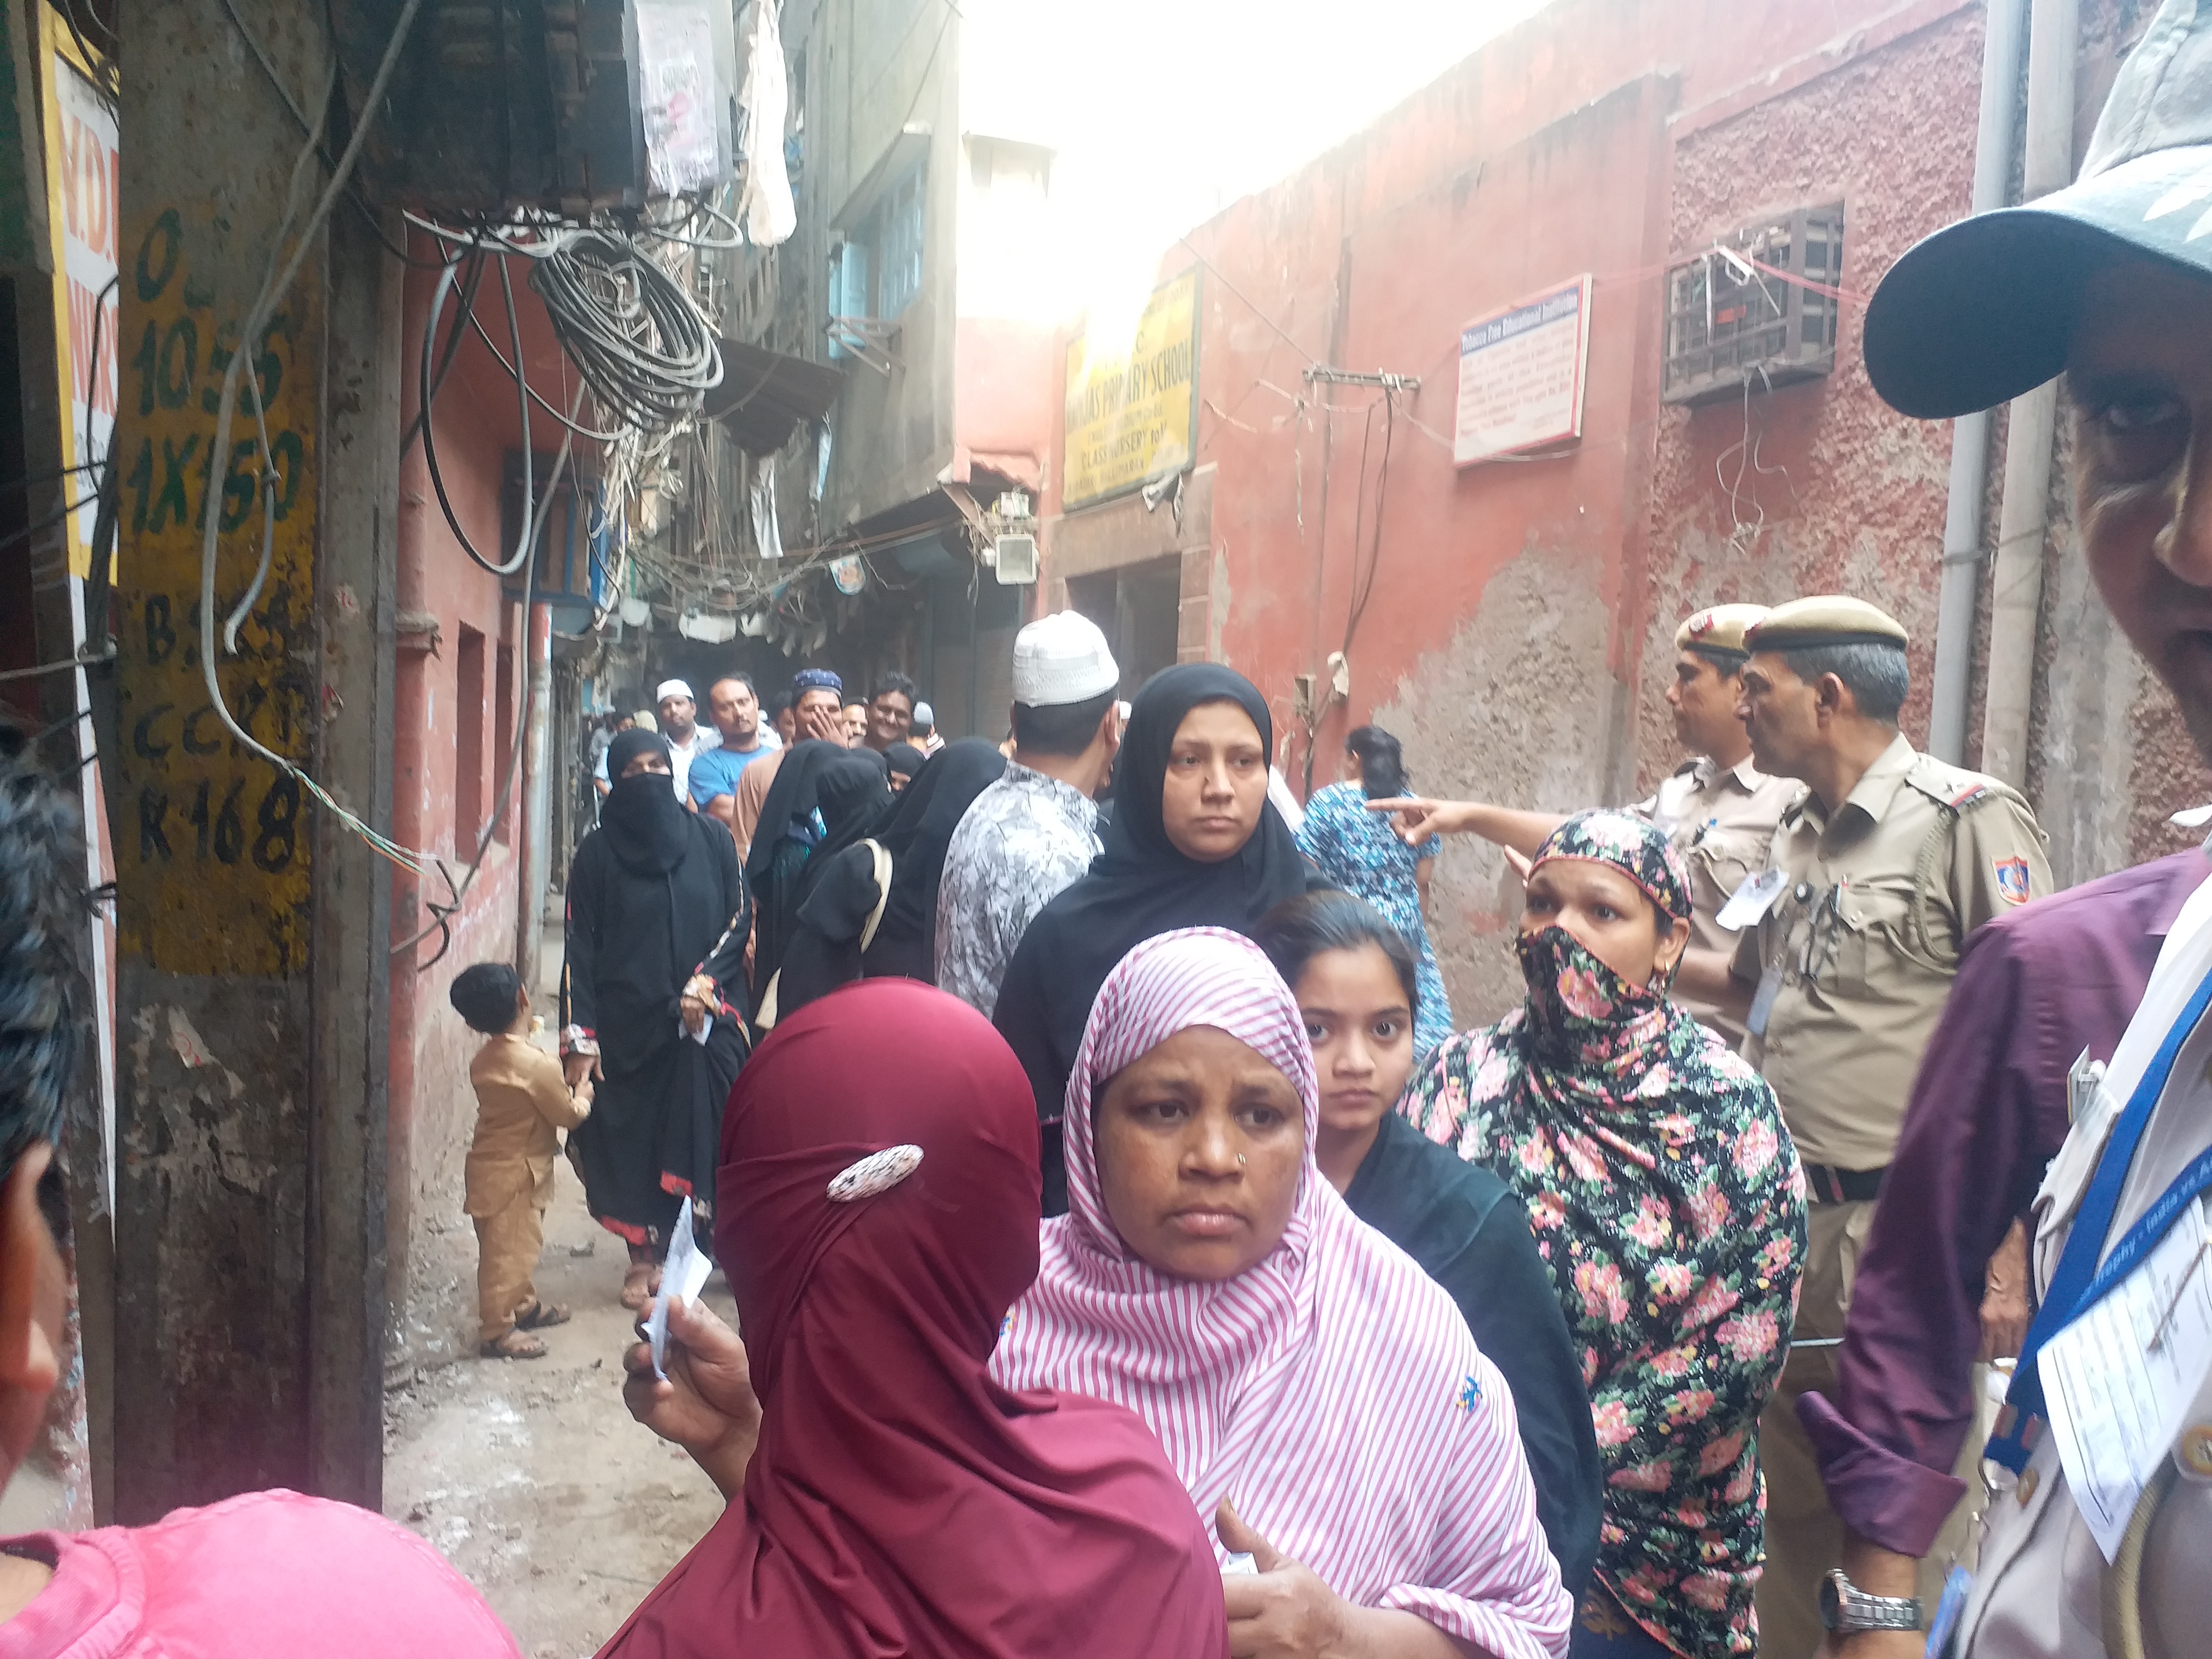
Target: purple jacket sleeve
1988	1112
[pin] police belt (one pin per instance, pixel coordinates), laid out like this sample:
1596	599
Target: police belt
1829	1185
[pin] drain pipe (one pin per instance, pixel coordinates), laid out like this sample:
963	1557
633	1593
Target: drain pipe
536	800
2016	579
2003	29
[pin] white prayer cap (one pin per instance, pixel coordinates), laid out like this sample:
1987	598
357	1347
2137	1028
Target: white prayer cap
673	689
1062	659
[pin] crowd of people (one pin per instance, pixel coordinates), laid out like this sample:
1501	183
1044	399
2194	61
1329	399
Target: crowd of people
1133	1258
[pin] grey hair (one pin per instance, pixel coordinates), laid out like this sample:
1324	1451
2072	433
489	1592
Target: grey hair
1875	675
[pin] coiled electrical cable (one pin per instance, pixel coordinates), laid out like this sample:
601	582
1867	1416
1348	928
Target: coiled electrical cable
640	342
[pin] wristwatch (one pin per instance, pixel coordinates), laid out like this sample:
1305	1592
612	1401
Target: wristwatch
1846	1610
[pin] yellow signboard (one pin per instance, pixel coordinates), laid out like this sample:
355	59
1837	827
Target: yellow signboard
1132	405
82	175
211	841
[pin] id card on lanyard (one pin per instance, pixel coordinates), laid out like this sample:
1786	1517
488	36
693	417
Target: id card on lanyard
2078	1281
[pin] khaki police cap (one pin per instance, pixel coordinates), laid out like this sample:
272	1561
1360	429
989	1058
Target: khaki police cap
1718	627
1824	619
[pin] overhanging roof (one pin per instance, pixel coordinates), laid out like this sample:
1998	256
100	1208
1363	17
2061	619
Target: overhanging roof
764	394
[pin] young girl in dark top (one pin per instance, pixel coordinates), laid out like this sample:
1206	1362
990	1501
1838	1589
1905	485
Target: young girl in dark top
1354	977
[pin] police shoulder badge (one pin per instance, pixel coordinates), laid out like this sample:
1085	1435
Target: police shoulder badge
2012	878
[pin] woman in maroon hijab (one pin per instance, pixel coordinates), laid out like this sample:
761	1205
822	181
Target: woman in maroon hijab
877	1220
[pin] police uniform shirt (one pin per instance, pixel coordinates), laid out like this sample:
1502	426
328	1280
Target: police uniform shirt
1723	823
1855	957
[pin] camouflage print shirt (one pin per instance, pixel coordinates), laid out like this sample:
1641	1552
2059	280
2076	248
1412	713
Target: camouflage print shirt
1026	838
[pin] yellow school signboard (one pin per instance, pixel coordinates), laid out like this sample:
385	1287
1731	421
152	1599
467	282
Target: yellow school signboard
1132	403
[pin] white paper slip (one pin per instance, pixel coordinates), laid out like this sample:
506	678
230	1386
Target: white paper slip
2119	1380
1753	900
684	1275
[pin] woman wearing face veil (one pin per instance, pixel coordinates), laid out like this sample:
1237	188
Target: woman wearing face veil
1194	842
824	800
841	902
1666	1198
653	1002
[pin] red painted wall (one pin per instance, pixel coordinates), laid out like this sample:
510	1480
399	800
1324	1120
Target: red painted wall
1002	398
433	1111
1512	609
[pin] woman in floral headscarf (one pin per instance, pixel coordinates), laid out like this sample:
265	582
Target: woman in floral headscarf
1666	1197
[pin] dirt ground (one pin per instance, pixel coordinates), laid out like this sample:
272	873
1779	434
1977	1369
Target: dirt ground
530	1476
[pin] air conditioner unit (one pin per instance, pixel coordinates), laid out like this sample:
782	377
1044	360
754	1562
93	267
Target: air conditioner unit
1757	308
1015	559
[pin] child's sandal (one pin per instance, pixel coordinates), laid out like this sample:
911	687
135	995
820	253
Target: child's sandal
538	1315
515	1344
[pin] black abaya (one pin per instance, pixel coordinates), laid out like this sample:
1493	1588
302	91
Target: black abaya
655	896
825	950
1470	1234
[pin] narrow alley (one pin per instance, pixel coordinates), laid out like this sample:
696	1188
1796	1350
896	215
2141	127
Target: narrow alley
1394	816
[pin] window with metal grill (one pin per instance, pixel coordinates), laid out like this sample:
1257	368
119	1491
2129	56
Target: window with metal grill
1757	308
899	234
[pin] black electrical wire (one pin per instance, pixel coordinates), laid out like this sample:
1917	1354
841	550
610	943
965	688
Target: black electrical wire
106	488
48	522
535	397
642	343
51	478
441	915
452	342
430	442
1364	590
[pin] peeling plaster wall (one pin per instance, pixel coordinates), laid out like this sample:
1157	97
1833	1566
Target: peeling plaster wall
430	1280
1517	706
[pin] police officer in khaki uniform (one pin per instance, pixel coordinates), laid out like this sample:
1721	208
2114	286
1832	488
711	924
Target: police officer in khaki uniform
1878	872
1717	808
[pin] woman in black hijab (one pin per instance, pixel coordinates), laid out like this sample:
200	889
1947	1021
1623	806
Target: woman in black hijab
652	1003
841	894
836	797
1194	842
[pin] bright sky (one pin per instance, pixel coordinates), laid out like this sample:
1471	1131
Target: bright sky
1164	112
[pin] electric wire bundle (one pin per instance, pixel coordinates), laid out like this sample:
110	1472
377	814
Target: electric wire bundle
640	342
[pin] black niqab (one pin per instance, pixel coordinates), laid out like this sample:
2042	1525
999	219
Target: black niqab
1141	885
644	823
919	831
793	794
853	793
841	891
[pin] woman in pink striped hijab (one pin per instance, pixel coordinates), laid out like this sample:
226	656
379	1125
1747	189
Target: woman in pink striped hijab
1317	1392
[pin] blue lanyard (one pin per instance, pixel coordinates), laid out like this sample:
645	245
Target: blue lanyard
2078	1281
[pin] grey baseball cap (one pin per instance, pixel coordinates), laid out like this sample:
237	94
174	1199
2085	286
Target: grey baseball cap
1985	309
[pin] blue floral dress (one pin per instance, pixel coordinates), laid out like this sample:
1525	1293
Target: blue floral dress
1357	850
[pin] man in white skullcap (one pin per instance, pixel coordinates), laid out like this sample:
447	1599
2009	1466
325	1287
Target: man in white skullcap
1036	830
687	739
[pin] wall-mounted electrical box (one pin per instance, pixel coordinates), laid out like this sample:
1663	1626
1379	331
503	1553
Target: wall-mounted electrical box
560	104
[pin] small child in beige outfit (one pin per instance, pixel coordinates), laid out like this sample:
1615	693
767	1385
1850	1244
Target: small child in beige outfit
523	1104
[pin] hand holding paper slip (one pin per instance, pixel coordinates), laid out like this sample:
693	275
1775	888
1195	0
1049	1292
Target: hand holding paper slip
2121	1378
683	1276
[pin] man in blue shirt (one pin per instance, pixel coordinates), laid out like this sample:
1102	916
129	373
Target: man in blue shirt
736	709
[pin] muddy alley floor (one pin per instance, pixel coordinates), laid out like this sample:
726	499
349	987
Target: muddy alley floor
530	1476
